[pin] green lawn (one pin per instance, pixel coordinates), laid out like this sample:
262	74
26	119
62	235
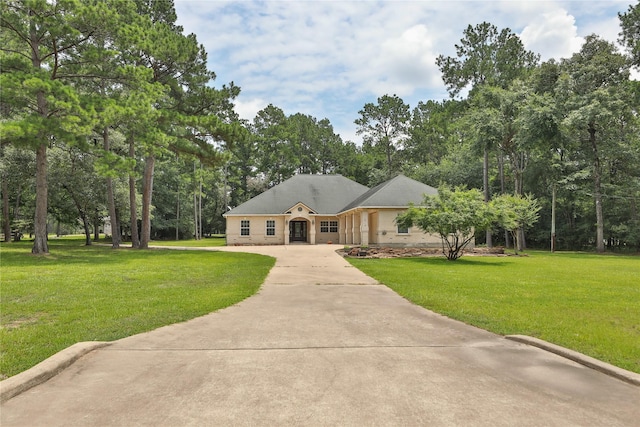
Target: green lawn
192	243
80	293
585	302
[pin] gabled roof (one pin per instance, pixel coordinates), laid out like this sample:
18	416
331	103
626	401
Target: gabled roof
324	194
397	192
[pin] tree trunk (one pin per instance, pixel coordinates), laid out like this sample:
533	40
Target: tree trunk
6	220
178	216
597	193
507	234
147	189
111	203
485	184
553	218
96	227
200	204
40	244
87	230
133	208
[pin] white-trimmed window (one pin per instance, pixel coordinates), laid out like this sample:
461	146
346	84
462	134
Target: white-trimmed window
271	227
328	226
402	230
245	227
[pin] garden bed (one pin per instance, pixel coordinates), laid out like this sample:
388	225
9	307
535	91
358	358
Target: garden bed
387	252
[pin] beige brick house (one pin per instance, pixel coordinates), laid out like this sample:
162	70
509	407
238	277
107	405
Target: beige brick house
318	209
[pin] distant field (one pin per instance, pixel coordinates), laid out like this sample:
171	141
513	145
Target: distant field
585	302
94	293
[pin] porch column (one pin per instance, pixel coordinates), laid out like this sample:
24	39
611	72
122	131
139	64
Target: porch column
342	236
364	228
354	232
286	231
312	232
347	229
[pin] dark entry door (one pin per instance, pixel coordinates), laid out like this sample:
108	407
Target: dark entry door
298	231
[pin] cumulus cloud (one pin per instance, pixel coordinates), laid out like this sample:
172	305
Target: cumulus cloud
329	58
552	35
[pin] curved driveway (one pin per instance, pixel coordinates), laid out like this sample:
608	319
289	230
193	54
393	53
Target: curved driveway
323	344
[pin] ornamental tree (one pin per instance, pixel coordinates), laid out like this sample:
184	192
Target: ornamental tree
454	215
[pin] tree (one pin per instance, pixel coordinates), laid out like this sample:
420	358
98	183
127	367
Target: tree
40	41
384	125
277	156
515	213
77	191
485	57
630	35
595	103
453	215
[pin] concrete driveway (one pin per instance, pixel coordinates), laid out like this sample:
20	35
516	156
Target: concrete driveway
322	344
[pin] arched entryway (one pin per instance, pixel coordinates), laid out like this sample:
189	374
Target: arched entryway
298	230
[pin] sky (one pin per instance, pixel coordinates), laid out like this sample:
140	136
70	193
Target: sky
328	58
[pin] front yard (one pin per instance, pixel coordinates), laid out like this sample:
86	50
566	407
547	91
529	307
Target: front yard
79	293
585	302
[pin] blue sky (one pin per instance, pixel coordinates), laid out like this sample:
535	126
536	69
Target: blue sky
328	58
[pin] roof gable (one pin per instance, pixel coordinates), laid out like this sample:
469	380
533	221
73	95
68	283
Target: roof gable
323	194
397	192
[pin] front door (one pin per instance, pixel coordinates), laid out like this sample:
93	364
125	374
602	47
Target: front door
298	231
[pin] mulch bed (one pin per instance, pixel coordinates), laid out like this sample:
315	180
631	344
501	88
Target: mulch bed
384	252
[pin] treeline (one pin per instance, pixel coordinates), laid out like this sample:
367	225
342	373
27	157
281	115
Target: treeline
105	105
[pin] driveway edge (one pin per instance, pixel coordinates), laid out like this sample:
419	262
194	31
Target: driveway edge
46	369
598	365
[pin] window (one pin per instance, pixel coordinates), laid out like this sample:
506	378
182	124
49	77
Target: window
271	227
244	227
403	230
328	226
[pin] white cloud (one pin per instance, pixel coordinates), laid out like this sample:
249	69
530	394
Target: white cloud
248	109
552	35
329	58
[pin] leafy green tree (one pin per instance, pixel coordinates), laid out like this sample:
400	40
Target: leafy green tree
515	213
76	190
595	100
430	130
41	40
17	168
485	57
630	35
277	156
385	126
454	215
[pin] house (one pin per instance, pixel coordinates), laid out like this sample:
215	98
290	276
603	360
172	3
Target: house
329	209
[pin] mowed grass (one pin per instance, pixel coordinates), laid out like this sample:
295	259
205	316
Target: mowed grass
585	302
80	293
206	242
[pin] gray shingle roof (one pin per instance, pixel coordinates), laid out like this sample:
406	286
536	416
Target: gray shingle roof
399	191
323	194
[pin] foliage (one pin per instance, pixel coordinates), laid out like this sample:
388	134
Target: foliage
132	98
515	213
485	56
384	126
580	301
50	303
630	35
453	215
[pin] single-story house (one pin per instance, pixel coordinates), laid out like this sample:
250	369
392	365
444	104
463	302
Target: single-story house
330	209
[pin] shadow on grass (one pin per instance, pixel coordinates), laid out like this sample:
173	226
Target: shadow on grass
75	252
460	262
